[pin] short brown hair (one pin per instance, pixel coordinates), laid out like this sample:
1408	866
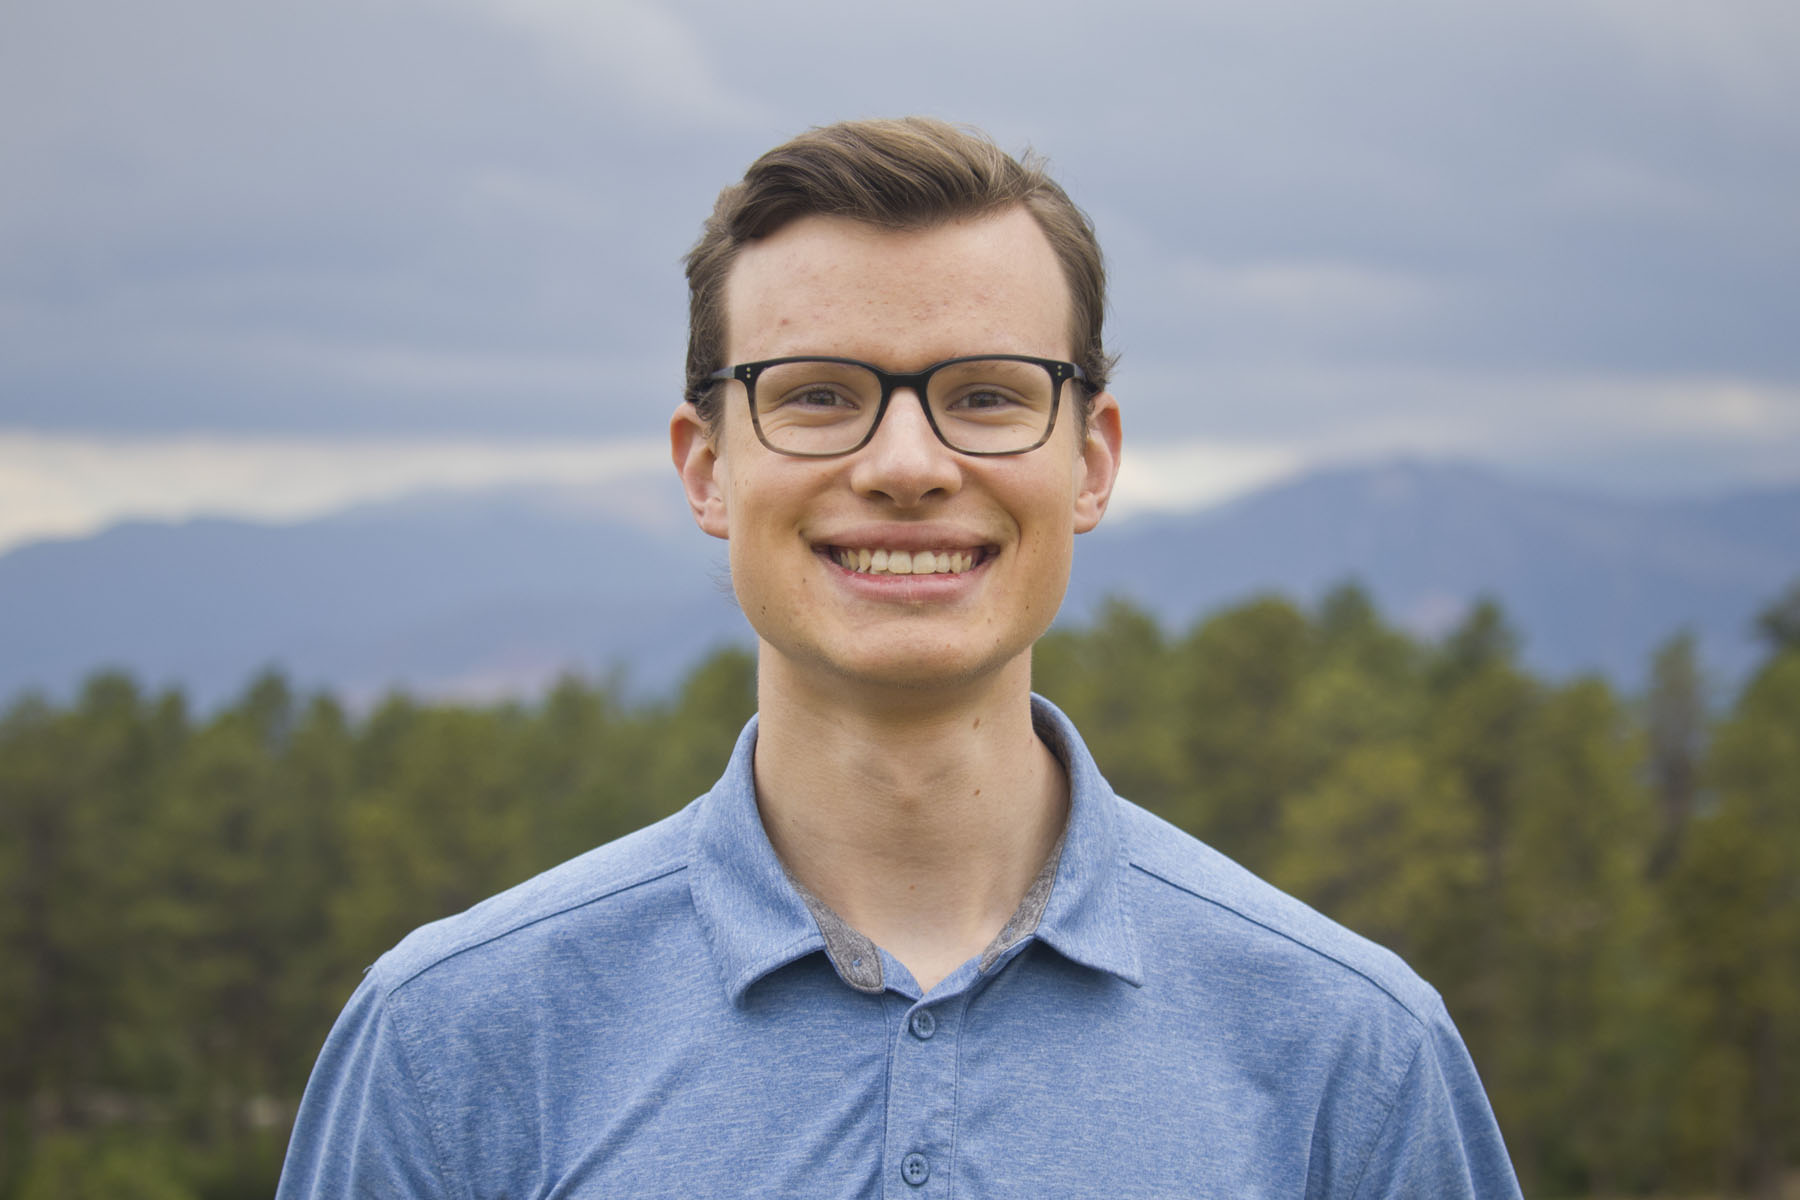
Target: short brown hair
910	173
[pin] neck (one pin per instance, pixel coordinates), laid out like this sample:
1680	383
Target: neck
921	817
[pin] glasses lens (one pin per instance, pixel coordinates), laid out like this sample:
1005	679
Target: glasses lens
816	407
981	405
992	405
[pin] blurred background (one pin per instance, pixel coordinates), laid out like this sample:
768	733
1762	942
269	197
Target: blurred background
343	579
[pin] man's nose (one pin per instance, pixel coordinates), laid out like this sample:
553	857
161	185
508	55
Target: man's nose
905	461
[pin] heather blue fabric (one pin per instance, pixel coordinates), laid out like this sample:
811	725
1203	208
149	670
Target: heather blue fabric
659	1018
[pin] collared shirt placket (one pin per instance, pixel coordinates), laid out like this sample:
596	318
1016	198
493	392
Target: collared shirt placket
919	1158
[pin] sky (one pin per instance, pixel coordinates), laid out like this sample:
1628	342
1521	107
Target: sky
272	257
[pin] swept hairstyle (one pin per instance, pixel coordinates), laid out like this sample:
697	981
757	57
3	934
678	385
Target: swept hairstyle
903	174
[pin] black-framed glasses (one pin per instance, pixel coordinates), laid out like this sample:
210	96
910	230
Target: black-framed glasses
821	407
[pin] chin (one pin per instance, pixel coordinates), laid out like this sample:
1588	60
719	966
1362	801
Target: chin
913	670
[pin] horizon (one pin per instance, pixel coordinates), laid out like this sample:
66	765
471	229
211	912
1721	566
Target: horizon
592	474
489	594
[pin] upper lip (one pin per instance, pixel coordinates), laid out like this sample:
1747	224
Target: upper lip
902	537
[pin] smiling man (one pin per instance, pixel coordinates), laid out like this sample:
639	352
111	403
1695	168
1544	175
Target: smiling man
911	944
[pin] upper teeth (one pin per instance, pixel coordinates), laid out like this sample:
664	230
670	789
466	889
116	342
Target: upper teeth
904	562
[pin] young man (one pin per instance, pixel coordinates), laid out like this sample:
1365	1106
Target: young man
911	944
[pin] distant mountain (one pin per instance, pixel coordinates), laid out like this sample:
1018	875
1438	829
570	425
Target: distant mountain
494	594
1592	583
465	595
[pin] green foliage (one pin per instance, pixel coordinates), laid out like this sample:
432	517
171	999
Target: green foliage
1607	895
1541	853
1112	680
1388	849
184	906
70	1166
1779	624
1735	914
1676	725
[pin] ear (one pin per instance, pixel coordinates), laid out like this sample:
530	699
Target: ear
697	462
1098	466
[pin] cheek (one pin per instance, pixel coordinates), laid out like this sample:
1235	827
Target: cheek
765	500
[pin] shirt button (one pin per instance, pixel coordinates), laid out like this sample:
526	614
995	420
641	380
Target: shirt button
923	1024
915	1169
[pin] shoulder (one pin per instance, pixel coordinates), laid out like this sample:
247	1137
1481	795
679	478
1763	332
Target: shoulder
1192	898
624	874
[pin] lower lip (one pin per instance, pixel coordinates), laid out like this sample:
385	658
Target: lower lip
936	587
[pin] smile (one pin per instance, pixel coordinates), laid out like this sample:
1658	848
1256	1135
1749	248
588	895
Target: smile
865	561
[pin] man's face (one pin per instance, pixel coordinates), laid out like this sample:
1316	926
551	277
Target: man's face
901	301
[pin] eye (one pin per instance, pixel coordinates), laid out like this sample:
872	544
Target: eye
984	400
817	402
978	398
814	399
822	396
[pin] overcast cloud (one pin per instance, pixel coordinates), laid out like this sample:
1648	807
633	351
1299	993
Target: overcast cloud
1559	235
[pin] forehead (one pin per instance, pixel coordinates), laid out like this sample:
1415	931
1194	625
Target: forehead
898	298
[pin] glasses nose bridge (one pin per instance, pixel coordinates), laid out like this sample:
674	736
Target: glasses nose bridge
914	382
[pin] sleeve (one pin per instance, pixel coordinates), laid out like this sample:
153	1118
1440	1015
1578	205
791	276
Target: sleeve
362	1130
1440	1140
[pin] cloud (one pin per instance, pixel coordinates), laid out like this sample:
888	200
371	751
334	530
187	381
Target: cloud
70	486
58	486
1546	229
1321	298
195	191
1693	432
1741	53
1160	477
646	52
1606	186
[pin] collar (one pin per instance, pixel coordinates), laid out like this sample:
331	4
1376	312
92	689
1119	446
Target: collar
756	919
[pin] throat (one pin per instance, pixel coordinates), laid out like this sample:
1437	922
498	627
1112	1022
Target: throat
923	840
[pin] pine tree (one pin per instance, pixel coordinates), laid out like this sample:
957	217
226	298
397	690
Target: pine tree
1676	720
1734	902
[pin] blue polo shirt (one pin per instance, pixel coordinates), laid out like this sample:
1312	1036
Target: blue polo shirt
664	1016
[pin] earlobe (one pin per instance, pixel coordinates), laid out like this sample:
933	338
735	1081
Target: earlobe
1099	462
697	462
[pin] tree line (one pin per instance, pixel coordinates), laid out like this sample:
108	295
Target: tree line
1606	889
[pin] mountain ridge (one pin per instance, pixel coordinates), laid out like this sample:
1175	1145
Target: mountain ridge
479	595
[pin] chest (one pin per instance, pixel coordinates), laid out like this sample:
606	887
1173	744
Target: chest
813	1089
